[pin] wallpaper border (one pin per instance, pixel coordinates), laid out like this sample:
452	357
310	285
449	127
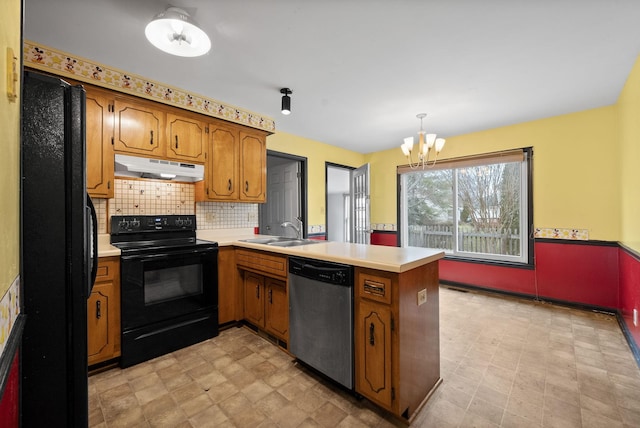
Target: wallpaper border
58	62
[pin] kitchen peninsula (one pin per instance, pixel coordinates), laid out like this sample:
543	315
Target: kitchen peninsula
396	326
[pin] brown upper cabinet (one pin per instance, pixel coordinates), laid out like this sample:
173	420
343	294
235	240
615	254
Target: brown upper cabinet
235	156
223	166
139	127
99	138
187	137
253	167
236	165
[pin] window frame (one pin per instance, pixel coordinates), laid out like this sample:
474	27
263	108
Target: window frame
526	203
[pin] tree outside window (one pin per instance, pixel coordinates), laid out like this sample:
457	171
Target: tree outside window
476	211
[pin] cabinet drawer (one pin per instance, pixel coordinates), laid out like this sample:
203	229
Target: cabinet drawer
107	269
373	286
264	263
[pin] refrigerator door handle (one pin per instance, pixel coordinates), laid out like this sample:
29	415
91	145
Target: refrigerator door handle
92	252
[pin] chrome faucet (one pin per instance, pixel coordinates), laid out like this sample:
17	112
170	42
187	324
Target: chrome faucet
293	226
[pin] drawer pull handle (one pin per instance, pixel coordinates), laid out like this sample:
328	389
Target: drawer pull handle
246	186
374	287
176	141
151	140
229	187
372	340
270	297
257	291
98	310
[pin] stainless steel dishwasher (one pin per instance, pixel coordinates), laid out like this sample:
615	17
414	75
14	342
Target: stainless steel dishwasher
321	317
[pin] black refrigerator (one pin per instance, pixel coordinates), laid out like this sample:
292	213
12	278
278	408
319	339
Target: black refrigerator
59	253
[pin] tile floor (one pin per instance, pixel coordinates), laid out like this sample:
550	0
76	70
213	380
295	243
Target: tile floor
505	362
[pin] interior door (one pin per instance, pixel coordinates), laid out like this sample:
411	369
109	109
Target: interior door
283	203
361	224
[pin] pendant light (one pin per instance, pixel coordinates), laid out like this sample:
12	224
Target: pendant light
286	101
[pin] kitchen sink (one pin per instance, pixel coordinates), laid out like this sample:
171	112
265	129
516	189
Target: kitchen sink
294	242
265	240
281	241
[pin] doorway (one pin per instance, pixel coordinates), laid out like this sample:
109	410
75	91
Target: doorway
286	196
347	202
338	202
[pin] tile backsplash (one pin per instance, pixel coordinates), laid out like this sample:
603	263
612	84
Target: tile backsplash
226	215
149	197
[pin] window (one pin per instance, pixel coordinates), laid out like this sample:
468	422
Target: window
474	208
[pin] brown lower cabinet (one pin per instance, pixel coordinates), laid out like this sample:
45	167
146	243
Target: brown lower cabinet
103	313
397	342
264	284
229	293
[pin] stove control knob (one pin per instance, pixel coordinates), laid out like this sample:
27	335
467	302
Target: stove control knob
187	222
124	224
135	223
179	222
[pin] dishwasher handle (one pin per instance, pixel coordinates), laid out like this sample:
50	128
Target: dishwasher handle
332	273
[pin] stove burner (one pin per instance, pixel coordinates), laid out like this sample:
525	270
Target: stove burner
137	233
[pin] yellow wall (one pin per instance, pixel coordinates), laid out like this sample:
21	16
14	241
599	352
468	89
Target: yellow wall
10	159
629	114
576	163
317	154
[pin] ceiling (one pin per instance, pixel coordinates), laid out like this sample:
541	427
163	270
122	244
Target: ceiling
361	70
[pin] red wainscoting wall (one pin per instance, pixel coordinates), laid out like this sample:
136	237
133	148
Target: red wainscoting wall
390	239
565	271
578	273
630	291
9	402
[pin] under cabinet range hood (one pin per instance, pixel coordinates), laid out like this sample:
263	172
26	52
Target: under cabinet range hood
163	169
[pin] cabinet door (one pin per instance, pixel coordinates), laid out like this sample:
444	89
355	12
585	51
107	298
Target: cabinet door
140	128
100	343
186	139
228	290
277	309
99	135
373	352
222	171
253	167
254	298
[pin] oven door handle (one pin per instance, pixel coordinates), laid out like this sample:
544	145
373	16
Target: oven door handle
165	255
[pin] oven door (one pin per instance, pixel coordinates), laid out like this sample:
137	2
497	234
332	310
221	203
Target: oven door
167	285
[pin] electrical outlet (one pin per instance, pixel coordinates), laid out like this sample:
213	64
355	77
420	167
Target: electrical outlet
210	217
422	296
635	317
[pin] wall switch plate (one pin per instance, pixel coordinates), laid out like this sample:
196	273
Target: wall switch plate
12	75
422	296
635	317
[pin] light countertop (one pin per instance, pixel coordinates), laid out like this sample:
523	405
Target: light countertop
105	249
391	259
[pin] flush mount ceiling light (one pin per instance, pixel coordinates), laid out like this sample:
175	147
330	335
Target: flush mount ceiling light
426	142
175	32
286	100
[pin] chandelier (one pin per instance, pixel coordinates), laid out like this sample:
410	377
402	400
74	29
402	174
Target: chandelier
426	142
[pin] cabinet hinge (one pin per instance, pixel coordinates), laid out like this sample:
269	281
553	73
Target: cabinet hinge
393	393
